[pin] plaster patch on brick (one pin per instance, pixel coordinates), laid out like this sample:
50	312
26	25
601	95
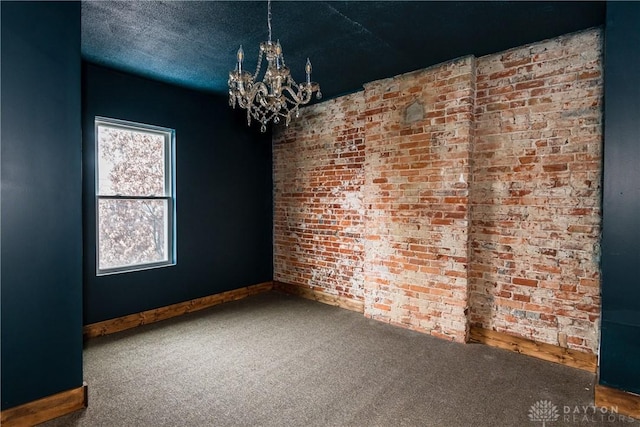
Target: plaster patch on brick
414	113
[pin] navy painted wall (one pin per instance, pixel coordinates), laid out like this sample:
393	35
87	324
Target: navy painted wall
41	247
223	195
620	342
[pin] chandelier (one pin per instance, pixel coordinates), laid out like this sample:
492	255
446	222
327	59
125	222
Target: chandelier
277	96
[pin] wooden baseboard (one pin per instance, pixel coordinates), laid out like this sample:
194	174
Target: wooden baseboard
626	403
320	296
118	324
45	409
549	352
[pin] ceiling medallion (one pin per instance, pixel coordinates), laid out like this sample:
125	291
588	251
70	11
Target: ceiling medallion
277	96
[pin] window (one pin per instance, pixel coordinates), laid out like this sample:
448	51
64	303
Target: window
135	196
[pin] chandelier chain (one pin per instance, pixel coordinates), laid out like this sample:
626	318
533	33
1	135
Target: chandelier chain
255	76
269	17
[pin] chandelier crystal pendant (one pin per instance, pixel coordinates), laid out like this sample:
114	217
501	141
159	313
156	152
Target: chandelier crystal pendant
277	96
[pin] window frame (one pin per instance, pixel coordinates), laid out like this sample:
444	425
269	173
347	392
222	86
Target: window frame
169	196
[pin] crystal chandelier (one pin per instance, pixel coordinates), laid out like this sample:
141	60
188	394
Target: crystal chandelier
277	96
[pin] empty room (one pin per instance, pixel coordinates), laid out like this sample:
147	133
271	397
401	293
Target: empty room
320	213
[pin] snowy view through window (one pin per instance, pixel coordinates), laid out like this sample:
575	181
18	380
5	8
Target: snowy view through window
134	197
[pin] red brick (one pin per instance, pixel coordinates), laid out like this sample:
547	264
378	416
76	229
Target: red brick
524	282
555	168
530	84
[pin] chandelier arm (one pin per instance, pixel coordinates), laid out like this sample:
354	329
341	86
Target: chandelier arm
259	93
301	97
262	102
244	100
242	93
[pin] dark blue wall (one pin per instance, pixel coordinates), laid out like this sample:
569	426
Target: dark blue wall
41	246
620	342
223	189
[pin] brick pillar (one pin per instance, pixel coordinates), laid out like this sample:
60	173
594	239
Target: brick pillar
418	131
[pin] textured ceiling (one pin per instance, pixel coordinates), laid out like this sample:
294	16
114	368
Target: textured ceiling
193	43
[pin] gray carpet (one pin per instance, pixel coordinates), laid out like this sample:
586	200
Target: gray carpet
278	360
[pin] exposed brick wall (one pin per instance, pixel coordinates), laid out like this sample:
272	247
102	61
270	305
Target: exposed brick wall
418	139
536	191
463	194
318	212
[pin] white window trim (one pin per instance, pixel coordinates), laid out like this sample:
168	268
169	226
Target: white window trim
170	193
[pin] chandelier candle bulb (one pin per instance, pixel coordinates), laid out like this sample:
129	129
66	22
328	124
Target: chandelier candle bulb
279	58
240	59
277	96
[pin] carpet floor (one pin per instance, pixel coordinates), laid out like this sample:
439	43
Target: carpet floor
278	360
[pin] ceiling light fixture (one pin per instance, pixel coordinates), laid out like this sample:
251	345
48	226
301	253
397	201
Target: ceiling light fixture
277	96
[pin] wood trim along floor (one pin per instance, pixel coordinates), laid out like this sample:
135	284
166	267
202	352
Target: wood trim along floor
45	409
626	403
549	352
320	296
118	324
